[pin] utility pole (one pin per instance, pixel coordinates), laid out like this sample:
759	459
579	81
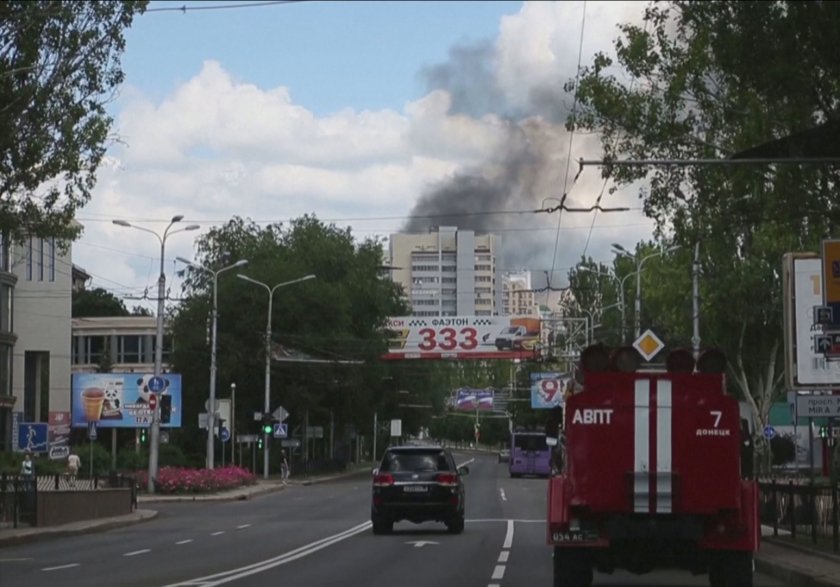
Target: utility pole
695	303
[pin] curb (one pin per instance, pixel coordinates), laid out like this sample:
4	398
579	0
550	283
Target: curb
791	575
220	497
90	526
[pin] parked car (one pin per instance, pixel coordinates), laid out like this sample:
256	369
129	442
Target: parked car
504	455
418	484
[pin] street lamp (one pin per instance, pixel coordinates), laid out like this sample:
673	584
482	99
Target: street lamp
617	248
211	406
267	405
620	293
154	429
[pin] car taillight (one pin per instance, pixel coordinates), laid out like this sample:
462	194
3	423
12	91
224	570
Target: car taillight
383	480
449	479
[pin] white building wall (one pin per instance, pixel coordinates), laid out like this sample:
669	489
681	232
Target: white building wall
41	314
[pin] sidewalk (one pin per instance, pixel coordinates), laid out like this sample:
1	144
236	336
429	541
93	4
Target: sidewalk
23	534
795	565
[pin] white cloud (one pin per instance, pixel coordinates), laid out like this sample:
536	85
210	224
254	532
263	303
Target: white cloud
217	147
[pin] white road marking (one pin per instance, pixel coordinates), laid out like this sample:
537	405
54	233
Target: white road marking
217	533
503	556
497	520
187	541
58	568
509	536
502	493
136	552
498	572
259	567
243	526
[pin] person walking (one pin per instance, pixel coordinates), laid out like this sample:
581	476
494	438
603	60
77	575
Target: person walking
284	466
27	468
74	463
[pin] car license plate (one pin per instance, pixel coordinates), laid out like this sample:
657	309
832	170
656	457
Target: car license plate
415	489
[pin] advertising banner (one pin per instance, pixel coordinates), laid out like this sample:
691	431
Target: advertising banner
121	400
470	400
59	434
464	337
548	389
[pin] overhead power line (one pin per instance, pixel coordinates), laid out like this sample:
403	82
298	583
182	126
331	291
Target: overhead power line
184	8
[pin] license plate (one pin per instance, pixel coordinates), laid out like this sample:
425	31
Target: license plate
415	489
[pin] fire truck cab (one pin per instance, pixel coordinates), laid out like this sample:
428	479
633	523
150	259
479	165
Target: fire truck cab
651	473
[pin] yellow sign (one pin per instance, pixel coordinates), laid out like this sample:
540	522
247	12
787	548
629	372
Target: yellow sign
831	272
648	345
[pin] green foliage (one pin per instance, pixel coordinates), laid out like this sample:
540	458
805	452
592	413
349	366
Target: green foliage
131	460
59	67
97	302
783	449
700	80
336	317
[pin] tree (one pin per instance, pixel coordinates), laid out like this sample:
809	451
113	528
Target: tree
97	302
59	65
702	80
337	319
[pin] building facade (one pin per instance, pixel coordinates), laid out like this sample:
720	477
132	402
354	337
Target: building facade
35	308
518	298
448	272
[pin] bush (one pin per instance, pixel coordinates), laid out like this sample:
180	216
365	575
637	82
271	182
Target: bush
176	480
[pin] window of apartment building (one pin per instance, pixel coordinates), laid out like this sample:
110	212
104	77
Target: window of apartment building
423	280
447	290
424	268
50	245
482	278
40	259
483	313
449	269
5	255
94	348
36	386
482	257
5	370
425	302
449	279
483	302
6	308
482	267
482	290
130	349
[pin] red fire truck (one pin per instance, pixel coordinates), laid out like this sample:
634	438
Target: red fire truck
651	473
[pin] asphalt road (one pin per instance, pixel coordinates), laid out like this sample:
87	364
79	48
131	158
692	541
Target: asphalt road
319	535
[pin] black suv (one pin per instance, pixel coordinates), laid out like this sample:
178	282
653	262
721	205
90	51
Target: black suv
418	484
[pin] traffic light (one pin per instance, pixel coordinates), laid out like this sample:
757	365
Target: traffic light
165	408
143	436
823	431
268	422
259	442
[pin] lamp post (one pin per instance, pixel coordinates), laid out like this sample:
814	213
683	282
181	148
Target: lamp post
154	429
233	424
211	405
267	405
617	248
620	294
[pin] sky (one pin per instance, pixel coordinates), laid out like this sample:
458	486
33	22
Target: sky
378	116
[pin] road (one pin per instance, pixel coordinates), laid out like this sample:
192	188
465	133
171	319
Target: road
319	535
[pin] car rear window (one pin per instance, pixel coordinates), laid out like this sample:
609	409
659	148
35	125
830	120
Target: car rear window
396	461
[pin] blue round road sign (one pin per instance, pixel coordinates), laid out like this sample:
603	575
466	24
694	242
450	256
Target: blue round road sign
224	434
769	432
156	384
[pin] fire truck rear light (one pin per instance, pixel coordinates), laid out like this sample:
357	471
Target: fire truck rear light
626	359
447	479
721	529
383	480
680	361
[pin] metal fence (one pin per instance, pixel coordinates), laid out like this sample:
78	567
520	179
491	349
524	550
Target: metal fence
19	493
797	509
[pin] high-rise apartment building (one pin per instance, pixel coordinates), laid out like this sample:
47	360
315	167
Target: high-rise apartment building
518	297
448	272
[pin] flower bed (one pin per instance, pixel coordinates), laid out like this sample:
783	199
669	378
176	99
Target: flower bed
175	480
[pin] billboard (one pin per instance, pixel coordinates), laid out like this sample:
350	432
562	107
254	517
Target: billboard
59	434
120	400
471	400
463	337
548	389
806	368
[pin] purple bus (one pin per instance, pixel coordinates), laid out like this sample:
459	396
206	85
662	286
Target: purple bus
529	454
